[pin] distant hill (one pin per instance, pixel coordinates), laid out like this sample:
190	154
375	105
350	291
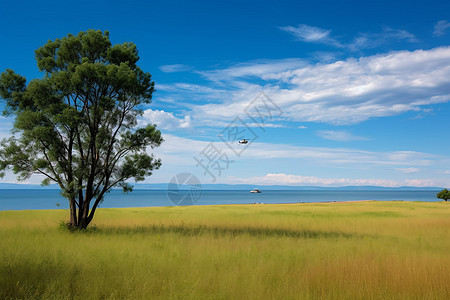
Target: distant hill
163	186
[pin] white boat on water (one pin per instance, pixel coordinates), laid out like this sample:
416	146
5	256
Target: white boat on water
255	190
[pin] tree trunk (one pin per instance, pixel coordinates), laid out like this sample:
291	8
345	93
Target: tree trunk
84	219
83	222
73	214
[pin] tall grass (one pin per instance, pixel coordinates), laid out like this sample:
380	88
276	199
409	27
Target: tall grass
365	250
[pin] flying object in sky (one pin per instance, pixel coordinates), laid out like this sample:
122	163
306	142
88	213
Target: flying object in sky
244	141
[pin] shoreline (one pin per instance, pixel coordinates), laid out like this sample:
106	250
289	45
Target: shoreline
237	204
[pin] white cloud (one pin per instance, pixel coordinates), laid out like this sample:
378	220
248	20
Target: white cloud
266	125
399	34
441	27
298	180
341	156
311	34
343	92
372	40
258	68
339	136
164	120
408	170
174	68
325	57
182	87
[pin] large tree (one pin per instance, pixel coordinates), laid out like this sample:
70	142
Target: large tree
77	125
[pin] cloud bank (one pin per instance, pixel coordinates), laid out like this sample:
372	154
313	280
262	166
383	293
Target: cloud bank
298	180
344	92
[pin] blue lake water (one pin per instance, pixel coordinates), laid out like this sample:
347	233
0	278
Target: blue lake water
15	199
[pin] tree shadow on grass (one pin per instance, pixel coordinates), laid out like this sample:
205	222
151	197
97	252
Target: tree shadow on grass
199	230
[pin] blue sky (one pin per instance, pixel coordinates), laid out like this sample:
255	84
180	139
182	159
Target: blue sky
359	92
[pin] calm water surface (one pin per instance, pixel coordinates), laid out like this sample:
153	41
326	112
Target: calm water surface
14	199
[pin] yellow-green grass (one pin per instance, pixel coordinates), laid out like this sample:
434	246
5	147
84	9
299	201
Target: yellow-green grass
354	250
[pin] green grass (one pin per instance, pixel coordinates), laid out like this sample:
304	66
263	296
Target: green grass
358	250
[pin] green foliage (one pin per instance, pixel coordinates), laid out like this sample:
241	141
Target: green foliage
12	88
77	124
444	194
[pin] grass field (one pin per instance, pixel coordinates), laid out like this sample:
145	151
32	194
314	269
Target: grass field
355	250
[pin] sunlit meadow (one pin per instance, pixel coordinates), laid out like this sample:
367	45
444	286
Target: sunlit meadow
353	250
